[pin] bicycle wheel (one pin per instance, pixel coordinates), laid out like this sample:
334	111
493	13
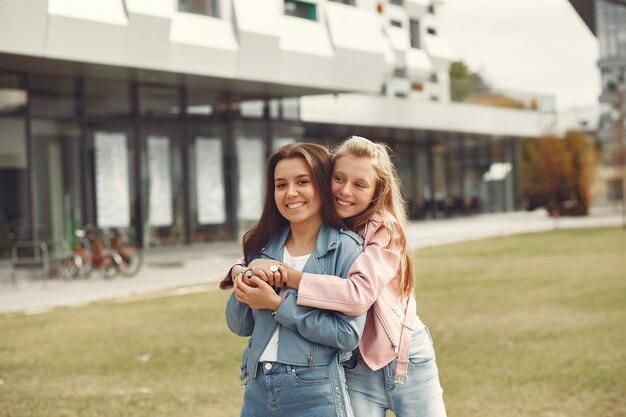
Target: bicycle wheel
71	267
132	261
110	266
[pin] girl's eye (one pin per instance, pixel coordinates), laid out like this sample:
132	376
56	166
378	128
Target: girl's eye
359	185
302	182
338	179
280	185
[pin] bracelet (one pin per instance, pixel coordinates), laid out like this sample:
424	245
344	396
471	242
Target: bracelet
244	272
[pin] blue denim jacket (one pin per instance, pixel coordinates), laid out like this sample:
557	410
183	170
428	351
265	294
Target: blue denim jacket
308	336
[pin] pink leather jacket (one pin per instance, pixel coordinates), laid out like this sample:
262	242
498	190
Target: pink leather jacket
372	285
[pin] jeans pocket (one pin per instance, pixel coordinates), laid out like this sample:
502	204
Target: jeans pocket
311	375
422	351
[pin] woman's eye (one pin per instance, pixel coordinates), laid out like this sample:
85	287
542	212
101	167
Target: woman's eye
302	182
361	186
280	185
338	179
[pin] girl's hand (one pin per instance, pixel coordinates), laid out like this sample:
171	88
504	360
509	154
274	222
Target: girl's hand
290	278
268	270
261	297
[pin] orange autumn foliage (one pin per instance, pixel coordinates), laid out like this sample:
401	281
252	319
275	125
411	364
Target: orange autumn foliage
557	172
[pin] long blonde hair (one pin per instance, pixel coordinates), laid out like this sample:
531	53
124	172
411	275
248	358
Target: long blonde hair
388	202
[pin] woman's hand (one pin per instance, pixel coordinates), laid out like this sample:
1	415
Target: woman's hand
268	270
260	297
290	278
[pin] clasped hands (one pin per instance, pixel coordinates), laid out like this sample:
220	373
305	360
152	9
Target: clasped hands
260	284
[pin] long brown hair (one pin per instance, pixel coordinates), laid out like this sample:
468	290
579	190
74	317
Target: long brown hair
319	161
388	202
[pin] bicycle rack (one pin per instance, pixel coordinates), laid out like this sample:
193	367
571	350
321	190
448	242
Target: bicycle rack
33	255
35	258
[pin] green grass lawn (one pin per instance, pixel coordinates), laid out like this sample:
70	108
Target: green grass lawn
532	325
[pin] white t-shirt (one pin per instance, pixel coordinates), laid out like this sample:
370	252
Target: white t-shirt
270	354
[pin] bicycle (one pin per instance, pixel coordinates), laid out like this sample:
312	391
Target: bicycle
90	254
131	256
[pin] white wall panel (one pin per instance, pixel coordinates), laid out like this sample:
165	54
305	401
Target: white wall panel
103	11
306	54
258	25
416	8
358	71
361	50
158	8
147	41
23	26
85	40
202	45
418	64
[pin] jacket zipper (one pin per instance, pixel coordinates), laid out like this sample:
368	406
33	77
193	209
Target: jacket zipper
256	360
310	358
391	338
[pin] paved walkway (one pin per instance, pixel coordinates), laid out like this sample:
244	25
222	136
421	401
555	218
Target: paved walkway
187	269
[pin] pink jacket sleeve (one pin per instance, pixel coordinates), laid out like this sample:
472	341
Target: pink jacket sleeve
227	282
370	272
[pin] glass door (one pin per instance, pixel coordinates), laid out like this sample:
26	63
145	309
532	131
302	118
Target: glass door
112	180
56	179
163	186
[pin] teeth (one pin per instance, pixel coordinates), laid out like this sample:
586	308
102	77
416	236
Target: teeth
343	203
295	205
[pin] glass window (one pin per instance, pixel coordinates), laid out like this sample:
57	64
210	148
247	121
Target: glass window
301	9
163	188
415	34
274	108
252	108
13	96
348	2
431	8
14	220
200	102
251	174
398	2
439	172
56	179
52	96
159	101
107	98
395	23
204	7
291	108
431	31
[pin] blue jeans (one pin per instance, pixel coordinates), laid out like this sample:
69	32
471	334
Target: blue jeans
374	392
280	390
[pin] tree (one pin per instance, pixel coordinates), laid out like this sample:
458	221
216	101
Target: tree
465	83
557	173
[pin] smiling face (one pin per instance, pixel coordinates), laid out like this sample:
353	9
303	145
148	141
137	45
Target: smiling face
294	192
353	185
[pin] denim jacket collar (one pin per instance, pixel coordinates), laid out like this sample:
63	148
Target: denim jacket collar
327	240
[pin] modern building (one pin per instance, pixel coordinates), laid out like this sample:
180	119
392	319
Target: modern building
156	116
606	19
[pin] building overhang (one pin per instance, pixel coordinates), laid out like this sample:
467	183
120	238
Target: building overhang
235	88
586	9
390	112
